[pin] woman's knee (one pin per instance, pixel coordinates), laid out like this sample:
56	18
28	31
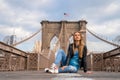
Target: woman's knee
60	50
73	69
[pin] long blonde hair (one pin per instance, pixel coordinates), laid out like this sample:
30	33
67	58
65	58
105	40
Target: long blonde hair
81	44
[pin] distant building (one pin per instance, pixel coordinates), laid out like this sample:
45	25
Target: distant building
10	39
37	47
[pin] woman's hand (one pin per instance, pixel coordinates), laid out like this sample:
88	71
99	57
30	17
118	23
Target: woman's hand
63	67
89	72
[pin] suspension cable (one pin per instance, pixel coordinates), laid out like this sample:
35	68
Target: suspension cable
111	43
26	38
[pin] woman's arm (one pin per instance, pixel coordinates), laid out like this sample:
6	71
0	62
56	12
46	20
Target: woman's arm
84	59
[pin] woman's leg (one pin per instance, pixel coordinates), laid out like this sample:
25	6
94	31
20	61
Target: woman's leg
60	57
68	69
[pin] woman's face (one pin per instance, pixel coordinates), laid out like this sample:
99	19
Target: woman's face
77	36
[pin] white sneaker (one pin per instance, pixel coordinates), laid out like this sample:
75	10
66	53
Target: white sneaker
46	69
53	66
52	69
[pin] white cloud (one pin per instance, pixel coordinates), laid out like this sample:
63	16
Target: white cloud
19	31
104	10
6	30
111	8
19	20
107	28
30	18
31	4
6	12
97	13
40	2
98	46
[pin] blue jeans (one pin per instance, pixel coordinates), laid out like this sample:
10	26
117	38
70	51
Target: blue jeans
68	69
61	60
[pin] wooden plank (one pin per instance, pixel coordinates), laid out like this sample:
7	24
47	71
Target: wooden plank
111	53
12	50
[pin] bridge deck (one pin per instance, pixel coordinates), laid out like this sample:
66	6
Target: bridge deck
41	75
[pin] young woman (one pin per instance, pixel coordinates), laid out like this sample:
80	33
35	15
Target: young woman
75	59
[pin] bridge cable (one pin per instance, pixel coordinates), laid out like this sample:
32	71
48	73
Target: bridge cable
26	38
111	43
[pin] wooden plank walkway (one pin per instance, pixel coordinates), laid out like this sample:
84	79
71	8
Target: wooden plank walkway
41	75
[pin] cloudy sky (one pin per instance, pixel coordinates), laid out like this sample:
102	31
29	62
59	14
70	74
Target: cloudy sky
23	17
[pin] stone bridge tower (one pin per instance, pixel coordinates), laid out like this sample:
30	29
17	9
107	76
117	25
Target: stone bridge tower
52	28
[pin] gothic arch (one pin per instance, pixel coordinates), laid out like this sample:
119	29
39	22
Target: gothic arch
52	41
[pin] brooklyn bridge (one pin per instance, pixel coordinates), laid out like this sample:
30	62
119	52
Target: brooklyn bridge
16	64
